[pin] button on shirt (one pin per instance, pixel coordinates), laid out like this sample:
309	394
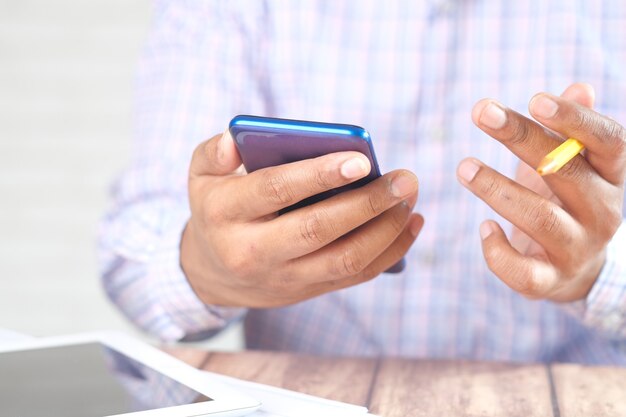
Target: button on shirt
409	72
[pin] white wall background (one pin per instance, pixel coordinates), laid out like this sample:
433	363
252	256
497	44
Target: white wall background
65	101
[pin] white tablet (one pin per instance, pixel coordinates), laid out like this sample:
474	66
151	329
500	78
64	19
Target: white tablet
107	374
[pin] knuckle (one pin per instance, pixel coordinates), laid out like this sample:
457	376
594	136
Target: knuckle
277	190
543	218
322	180
575	170
580	121
527	285
520	132
519	277
351	263
500	264
490	187
209	149
204	151
314	229
347	264
374	205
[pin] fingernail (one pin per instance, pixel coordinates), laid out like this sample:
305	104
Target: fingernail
467	170
485	230
543	106
493	116
354	168
403	185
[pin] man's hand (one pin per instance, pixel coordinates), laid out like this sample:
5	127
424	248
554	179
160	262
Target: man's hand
237	251
563	221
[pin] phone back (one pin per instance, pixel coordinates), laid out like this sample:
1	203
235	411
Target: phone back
264	142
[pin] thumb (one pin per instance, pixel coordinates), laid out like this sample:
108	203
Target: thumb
216	156
581	93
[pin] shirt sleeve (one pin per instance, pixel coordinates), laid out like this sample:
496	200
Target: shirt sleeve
605	307
195	74
142	275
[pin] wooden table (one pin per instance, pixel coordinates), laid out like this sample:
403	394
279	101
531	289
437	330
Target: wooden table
405	387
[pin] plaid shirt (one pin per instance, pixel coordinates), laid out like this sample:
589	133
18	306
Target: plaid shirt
409	72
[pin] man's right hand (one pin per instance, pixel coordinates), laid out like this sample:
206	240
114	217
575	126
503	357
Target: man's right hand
237	251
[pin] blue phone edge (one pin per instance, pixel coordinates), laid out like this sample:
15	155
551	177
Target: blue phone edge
300	125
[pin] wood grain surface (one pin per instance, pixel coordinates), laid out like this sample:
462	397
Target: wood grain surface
584	391
410	387
428	388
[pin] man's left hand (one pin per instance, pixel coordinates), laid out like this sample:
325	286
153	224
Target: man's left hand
564	221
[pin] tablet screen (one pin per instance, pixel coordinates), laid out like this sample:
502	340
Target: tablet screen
84	380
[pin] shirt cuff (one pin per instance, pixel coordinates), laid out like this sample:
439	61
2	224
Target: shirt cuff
605	306
190	317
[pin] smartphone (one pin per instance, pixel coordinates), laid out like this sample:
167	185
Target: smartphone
266	141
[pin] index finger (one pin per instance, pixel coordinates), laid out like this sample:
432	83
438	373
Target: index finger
577	187
266	191
604	138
